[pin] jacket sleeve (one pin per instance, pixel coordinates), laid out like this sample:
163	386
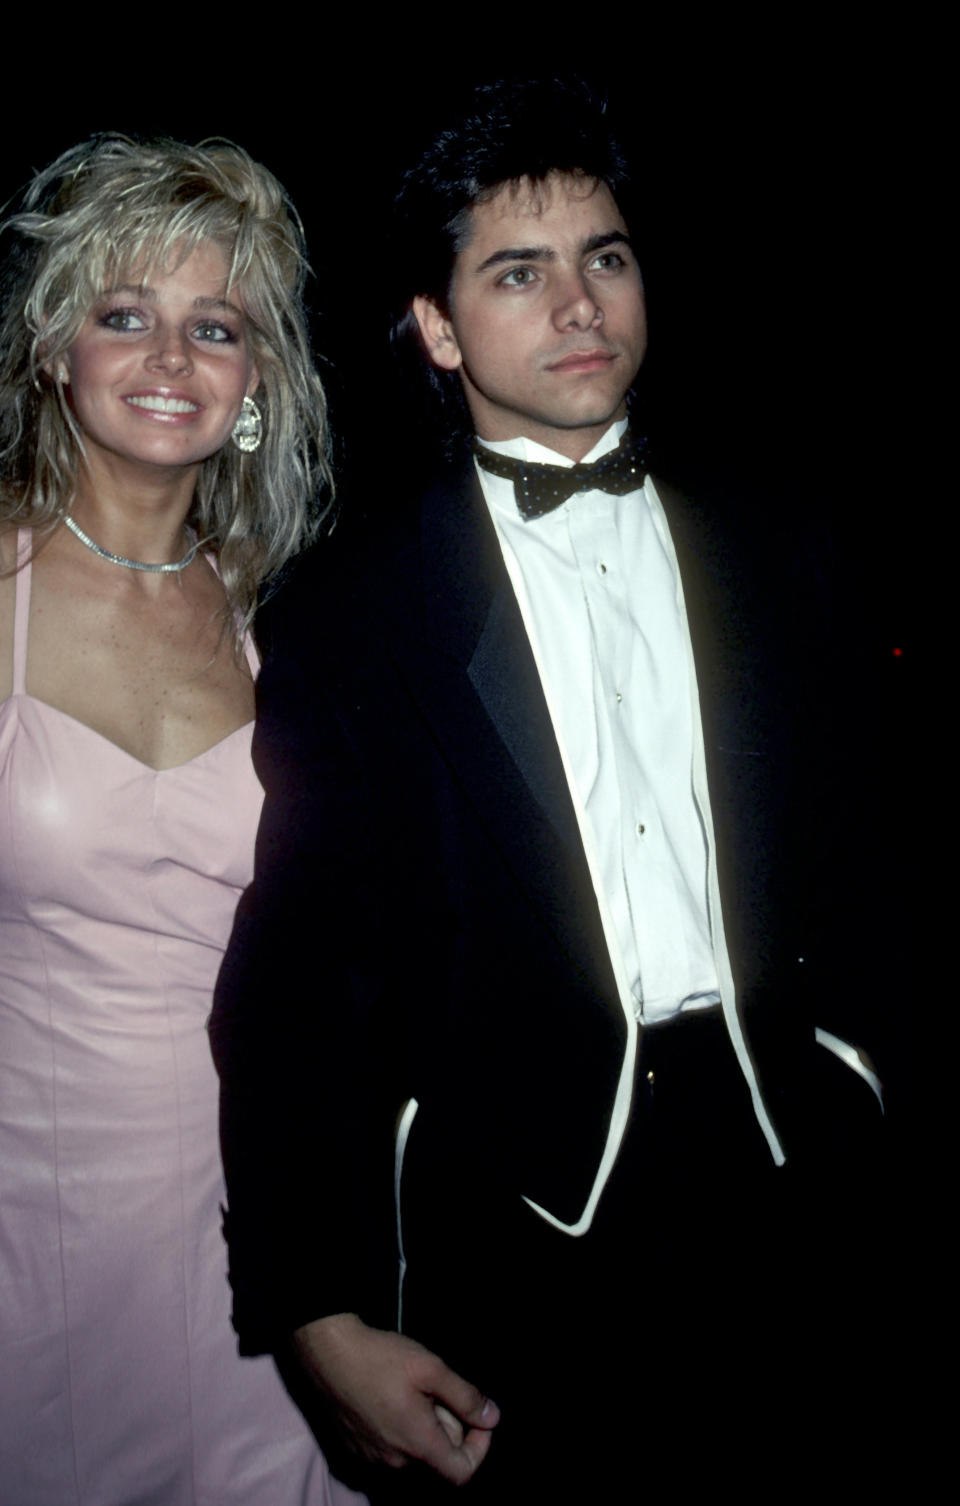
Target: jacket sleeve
300	1031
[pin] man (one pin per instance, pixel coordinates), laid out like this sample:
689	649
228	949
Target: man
512	1030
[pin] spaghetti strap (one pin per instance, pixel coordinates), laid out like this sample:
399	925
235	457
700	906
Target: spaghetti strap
251	654
250	649
21	610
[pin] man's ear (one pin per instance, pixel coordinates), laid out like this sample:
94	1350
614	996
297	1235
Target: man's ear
436	331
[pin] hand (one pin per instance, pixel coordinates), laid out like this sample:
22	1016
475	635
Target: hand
393	1401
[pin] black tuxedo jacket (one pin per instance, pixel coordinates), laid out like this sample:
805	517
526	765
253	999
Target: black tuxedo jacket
422	921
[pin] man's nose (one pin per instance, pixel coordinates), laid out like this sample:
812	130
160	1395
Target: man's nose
576	306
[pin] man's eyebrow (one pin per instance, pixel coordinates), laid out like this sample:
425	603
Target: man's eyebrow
611	238
547	253
518	253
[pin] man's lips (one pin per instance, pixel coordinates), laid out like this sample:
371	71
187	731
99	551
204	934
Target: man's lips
583	360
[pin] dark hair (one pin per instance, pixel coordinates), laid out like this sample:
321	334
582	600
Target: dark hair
511	133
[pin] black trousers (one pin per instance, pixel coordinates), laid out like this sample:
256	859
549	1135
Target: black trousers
696	1339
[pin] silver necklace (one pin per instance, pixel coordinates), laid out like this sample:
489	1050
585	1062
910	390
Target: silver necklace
173	568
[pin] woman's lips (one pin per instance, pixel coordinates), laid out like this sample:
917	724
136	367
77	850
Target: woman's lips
163	405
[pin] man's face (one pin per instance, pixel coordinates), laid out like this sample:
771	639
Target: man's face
547	324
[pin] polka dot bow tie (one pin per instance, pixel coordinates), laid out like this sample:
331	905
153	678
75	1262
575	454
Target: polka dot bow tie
540	488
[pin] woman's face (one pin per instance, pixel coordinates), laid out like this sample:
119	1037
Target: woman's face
159	371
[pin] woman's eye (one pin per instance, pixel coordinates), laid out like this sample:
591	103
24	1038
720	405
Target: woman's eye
218	333
122	320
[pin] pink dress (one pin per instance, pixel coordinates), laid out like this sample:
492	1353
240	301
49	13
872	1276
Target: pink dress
120	1384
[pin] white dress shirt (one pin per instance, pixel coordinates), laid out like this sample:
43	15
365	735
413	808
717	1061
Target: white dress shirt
599	590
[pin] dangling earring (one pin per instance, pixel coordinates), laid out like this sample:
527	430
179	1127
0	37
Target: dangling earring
248	429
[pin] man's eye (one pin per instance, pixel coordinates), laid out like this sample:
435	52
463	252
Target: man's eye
122	319
607	261
518	277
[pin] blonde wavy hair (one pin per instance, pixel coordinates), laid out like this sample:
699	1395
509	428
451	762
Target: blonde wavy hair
102	210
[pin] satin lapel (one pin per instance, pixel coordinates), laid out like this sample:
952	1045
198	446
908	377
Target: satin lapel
478	685
708	601
478	623
727	569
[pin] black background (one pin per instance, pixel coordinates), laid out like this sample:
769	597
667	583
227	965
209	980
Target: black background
785	172
787	165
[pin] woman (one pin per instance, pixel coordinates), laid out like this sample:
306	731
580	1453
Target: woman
162	436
